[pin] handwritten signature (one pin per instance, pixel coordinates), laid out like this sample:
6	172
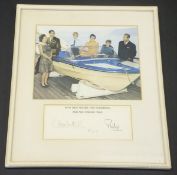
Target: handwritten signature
67	124
73	124
111	124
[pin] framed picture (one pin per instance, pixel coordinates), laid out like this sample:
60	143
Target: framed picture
87	88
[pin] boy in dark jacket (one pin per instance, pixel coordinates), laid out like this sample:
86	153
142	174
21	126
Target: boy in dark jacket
107	49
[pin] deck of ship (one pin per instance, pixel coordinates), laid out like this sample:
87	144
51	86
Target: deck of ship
59	88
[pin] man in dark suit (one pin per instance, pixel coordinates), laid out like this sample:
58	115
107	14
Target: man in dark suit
126	50
54	43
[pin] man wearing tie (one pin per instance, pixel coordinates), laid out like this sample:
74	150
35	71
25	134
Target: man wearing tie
75	46
126	49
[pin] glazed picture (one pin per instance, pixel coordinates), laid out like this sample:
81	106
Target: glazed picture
87	62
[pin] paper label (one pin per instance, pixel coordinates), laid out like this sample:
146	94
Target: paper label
87	122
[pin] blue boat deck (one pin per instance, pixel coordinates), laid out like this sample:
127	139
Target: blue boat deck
109	65
60	89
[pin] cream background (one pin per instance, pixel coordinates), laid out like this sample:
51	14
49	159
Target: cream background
25	145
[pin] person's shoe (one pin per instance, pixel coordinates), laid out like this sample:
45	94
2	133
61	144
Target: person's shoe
43	85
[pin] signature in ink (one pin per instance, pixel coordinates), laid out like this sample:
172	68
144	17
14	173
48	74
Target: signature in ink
111	124
67	124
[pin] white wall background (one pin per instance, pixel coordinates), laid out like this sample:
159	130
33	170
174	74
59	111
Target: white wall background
102	33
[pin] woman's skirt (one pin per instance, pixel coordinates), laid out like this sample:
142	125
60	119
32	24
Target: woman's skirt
45	65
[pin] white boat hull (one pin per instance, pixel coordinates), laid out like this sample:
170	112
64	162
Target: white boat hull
101	80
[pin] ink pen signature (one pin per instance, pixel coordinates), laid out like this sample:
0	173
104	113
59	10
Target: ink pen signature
110	124
113	125
67	124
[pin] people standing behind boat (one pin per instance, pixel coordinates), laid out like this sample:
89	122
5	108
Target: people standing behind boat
91	48
76	44
126	49
54	43
107	49
45	63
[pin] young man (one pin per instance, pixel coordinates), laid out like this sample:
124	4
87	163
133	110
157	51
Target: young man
76	44
126	49
54	43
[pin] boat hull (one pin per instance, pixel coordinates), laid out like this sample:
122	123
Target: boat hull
101	80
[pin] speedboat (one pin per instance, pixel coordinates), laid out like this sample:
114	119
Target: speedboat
103	73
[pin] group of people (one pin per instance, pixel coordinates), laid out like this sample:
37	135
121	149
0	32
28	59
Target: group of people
50	47
91	48
126	49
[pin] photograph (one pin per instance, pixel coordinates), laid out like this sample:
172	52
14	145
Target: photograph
87	62
86	89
